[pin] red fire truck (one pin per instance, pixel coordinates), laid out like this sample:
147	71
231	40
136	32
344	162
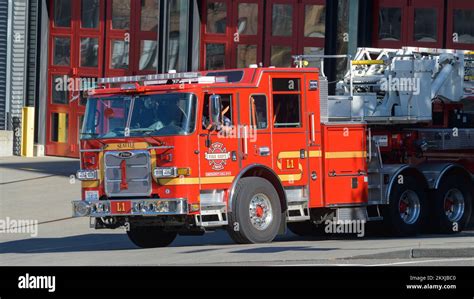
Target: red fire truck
257	150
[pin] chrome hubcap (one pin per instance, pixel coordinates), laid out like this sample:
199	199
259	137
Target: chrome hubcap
260	211
454	205
409	207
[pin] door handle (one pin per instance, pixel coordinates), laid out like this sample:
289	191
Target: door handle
245	140
313	129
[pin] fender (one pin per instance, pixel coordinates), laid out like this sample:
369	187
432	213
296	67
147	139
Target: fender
401	170
436	172
274	180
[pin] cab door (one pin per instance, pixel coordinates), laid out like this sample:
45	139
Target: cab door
289	138
312	114
218	149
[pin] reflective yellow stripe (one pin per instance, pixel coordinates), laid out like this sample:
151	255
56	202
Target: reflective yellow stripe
315	154
289	155
290	177
196	181
345	155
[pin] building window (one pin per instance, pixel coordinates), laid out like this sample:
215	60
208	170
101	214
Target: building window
62	51
390	24
216	17
315	21
150	11
62	13
178	17
120	54
246	55
425	25
282	20
89	52
90	11
148	55
59	93
215	56
463	26
281	56
248	19
121	14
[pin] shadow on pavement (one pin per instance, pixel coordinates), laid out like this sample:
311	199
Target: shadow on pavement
101	242
53	167
113	241
278	249
88	242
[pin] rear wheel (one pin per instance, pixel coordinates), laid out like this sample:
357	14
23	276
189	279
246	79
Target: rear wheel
150	236
452	205
256	212
405	214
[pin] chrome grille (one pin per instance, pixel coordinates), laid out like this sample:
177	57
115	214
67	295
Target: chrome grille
138	173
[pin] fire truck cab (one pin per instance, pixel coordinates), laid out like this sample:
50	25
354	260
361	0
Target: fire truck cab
252	151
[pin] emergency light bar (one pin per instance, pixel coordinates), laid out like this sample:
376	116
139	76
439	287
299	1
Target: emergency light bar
156	77
173	76
126	79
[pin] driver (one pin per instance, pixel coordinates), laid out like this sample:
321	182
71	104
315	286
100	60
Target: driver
169	116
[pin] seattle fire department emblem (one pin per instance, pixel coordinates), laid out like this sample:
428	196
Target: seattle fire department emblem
217	156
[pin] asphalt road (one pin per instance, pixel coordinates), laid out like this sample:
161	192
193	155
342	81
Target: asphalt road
41	189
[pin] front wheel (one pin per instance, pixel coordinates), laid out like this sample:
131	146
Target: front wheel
406	212
150	236
256	212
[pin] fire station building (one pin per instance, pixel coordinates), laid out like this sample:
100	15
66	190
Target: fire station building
44	43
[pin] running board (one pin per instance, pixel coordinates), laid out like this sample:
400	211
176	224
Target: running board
212	215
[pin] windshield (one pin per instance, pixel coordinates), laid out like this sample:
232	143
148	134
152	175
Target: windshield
150	115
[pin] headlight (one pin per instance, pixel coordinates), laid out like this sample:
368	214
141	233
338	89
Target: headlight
170	172
86	175
81	209
165	172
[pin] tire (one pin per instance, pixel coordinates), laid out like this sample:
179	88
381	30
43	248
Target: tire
257	197
458	194
150	236
306	228
406	212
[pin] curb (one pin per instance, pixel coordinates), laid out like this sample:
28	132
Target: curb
414	253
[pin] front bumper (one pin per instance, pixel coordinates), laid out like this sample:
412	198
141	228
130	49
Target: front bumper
130	207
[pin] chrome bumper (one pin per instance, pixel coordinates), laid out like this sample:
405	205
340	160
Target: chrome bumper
130	207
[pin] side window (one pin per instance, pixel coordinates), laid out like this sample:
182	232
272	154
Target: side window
258	112
226	110
286	103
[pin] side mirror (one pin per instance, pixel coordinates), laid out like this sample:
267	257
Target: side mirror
215	110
